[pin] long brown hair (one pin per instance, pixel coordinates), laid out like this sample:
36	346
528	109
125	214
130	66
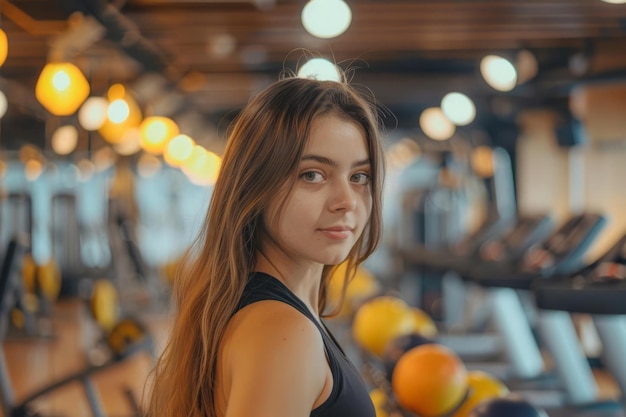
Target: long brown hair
262	154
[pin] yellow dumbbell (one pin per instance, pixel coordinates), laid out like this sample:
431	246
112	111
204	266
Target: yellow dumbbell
104	304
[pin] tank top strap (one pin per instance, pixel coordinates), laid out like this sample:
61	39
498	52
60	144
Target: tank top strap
262	286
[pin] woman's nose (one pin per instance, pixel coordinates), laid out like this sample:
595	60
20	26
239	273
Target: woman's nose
343	197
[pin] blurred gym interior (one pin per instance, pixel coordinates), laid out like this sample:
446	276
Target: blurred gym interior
503	259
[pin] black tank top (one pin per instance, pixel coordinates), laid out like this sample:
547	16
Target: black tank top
349	396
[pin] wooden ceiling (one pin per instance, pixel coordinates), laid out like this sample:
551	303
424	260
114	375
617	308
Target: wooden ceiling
216	53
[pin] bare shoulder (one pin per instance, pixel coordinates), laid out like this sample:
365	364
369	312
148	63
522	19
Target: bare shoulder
271	325
275	361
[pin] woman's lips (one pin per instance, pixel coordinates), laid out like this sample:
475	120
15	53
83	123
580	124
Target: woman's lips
337	233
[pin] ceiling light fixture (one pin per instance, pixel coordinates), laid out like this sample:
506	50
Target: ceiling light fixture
459	108
64	140
436	125
4	47
498	72
93	113
320	69
326	18
156	132
61	88
123	113
4	104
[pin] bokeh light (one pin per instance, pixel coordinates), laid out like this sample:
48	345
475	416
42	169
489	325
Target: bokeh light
93	113
436	125
458	108
498	72
320	69
64	140
326	18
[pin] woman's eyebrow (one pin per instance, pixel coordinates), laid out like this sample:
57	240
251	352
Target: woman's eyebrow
330	162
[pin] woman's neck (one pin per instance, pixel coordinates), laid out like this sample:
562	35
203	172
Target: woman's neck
303	279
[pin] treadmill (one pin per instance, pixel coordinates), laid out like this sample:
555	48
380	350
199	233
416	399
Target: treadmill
561	254
502	249
600	291
473	343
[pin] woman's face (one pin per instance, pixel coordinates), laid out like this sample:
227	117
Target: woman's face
329	206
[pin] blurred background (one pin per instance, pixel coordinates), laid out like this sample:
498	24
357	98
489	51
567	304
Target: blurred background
543	80
114	115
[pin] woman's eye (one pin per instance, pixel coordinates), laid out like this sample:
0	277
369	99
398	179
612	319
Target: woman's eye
361	178
312	176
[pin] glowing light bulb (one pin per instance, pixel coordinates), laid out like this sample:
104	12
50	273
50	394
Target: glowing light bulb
93	113
118	111
4	47
178	150
326	18
156	132
61	81
61	88
64	140
498	72
458	108
436	125
320	69
4	104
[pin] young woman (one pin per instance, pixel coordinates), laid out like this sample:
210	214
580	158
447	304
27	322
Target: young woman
298	192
